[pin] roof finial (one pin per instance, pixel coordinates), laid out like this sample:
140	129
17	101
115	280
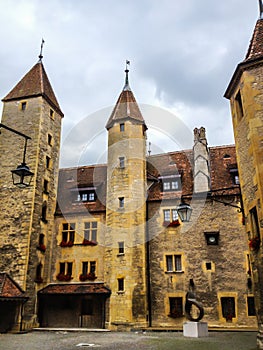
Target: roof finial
41	50
260	9
126	86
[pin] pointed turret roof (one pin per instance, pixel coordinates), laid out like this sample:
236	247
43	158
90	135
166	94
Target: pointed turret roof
126	107
255	49
254	54
34	83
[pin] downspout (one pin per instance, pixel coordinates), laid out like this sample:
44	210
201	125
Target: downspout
148	270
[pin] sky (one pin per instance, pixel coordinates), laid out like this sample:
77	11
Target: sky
182	56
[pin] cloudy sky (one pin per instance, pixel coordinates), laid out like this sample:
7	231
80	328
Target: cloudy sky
182	54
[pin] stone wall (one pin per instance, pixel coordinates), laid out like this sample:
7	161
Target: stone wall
212	271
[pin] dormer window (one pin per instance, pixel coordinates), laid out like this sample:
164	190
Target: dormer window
171	183
86	196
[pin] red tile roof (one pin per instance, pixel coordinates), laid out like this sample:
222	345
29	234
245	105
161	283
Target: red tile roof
255	49
126	108
34	83
222	159
73	179
9	288
77	288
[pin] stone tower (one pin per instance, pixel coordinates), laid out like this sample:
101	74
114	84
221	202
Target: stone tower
245	92
125	257
27	214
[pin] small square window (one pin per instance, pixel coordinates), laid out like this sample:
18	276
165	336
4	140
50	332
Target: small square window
49	139
121	202
121	247
122	127
120	284
23	106
212	238
91	196
45	189
48	162
51	113
208	266
166	186
166	214
122	162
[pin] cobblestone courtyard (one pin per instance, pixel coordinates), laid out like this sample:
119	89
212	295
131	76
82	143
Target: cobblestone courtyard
64	340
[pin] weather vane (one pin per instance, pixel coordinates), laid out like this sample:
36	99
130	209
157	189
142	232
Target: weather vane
127	64
41	50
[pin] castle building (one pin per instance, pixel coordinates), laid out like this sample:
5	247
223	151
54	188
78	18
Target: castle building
245	92
102	246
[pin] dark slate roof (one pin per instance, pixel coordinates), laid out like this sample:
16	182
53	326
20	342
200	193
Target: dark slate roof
76	288
9	288
126	108
222	160
255	49
34	83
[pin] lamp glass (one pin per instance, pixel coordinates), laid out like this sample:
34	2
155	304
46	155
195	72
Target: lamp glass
22	176
184	211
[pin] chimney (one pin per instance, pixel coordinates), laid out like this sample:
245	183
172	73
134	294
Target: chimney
201	162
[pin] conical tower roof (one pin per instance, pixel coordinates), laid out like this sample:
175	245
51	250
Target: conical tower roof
254	54
126	107
34	83
255	49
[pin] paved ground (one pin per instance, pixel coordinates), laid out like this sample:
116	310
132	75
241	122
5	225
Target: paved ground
62	340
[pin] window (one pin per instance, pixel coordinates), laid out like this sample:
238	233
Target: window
234	174
212	238
23	106
90	231
49	139
51	113
88	267
120	284
121	247
228	308
251	311
85	265
122	127
239	105
254	222
45	186
44	212
176	307
86	196
48	162
170	216
174	263
39	278
121	202
122	162
41	239
208	266
171	183
65	271
68	233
